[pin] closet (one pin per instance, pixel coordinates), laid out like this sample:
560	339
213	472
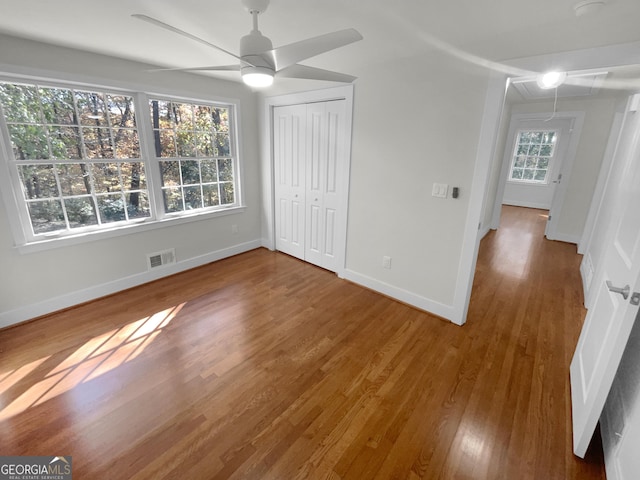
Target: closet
310	187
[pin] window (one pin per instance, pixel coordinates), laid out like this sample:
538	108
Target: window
78	164
77	156
532	156
193	147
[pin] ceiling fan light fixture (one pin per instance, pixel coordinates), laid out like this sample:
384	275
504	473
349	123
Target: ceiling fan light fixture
550	80
257	77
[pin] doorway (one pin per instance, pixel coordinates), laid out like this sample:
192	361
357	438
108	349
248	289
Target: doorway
328	214
541	145
309	167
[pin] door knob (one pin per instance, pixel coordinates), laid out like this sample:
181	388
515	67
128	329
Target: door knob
622	291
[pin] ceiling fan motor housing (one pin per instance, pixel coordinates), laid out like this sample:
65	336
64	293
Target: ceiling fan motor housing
252	49
255	5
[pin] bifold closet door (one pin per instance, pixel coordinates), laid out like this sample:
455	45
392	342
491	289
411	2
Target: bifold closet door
289	152
324	187
310	186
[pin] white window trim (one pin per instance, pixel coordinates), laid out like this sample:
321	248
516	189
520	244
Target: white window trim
532	183
11	187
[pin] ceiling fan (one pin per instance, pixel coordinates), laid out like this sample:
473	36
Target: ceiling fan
259	62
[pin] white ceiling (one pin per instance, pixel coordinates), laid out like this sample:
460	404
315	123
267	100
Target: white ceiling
491	29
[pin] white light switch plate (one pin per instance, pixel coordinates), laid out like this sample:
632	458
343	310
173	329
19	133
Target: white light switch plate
440	190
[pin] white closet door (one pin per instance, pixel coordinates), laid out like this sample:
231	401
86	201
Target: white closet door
311	168
289	144
316	162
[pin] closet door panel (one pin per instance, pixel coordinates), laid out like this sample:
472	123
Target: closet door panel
289	149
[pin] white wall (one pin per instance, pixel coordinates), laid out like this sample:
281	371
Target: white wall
38	282
523	195
416	122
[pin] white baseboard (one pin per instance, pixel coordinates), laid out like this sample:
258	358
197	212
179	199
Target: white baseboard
418	301
28	312
484	230
562	237
527	204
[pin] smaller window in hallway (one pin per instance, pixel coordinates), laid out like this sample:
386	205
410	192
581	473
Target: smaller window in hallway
532	156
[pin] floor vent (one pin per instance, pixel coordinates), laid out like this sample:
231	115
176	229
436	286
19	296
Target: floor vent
158	259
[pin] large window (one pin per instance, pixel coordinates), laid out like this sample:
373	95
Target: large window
532	156
78	164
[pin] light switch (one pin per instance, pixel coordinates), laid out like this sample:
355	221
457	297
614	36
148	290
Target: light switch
440	190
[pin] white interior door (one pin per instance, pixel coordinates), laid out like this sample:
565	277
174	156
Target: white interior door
626	459
610	319
289	146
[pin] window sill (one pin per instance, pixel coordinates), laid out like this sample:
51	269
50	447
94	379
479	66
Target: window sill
70	240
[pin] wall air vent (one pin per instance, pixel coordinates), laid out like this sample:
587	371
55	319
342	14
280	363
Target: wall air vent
159	259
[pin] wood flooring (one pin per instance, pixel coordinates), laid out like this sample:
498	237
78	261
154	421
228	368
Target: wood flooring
260	366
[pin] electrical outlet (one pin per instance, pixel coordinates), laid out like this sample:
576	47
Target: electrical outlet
234	229
386	262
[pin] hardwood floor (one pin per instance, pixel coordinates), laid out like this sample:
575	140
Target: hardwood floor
261	366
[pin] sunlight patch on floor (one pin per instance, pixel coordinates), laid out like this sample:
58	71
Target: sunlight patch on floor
514	247
95	357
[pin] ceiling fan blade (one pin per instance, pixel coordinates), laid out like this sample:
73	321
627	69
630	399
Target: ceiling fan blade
313	73
295	52
166	26
195	69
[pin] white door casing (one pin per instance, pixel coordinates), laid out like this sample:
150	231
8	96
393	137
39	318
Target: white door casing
609	321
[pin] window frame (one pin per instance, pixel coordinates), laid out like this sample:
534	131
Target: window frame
11	184
514	156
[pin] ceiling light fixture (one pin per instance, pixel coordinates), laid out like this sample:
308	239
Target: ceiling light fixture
550	80
257	77
587	7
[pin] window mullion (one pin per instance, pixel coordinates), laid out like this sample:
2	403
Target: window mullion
148	156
